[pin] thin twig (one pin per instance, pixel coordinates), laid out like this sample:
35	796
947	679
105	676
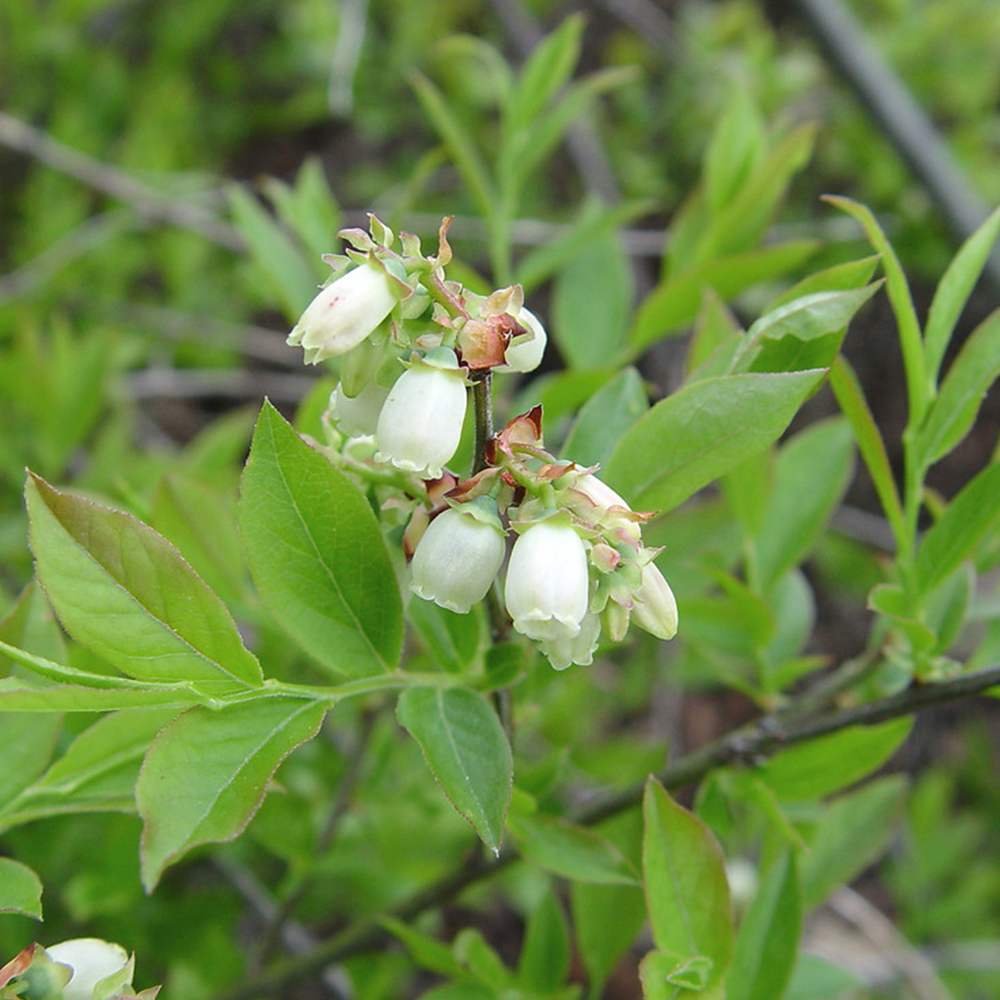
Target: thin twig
745	745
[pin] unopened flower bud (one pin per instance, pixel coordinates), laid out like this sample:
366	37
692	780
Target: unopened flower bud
421	420
655	608
524	354
548	586
458	558
343	314
92	960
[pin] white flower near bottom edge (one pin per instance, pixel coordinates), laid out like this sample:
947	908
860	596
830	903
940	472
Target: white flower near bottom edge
547	588
343	314
92	960
420	424
456	560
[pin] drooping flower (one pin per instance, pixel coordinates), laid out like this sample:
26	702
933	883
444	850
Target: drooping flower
524	353
420	423
459	556
92	961
344	313
358	415
547	588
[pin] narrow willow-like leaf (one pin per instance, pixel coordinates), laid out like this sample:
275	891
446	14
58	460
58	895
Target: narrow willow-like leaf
545	956
605	417
124	591
768	941
898	290
317	554
20	889
827	764
573	852
18	696
467	751
852	402
953	292
954	411
687	893
207	773
702	431
811	475
953	537
674	303
734	149
839	278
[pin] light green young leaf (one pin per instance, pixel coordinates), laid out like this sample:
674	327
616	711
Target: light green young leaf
953	292
702	431
290	277
674	302
812	473
458	141
898	290
309	209
954	411
206	774
605	417
26	744
573	852
715	339
852	402
664	977
545	955
734	149
606	920
317	554
853	832
839	278
952	539
822	766
125	592
427	952
686	890
768	939
467	751
453	639
592	299
20	889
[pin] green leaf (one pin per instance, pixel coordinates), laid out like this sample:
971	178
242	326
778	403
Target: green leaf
317	554
592	300
291	279
544	961
768	941
898	291
954	536
467	751
702	431
20	696
606	920
26	744
452	638
804	333
954	411
202	524
839	278
665	978
811	474
673	303
459	142
815	978
605	417
826	764
854	831
573	852
686	890
206	774
428	953
953	292
124	591
852	402
20	889
734	150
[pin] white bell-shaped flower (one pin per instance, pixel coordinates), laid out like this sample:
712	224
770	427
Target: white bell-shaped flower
547	587
92	960
457	559
357	416
420	424
524	354
579	649
344	313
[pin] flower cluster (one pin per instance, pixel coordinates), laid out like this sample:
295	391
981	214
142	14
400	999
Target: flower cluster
81	969
409	344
